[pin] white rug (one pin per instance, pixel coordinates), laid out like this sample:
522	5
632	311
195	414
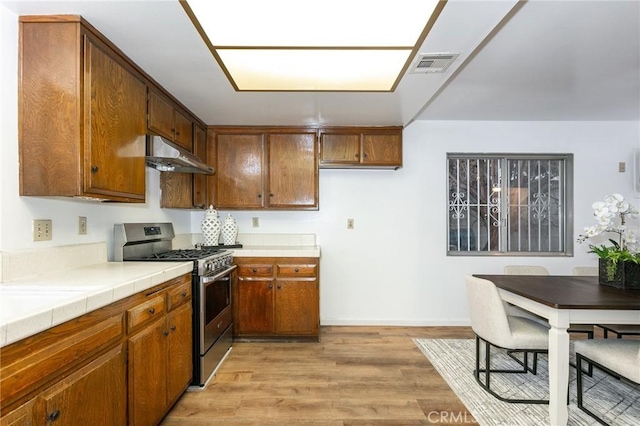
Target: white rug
455	361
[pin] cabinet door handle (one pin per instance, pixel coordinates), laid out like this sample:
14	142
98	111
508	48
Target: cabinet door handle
152	311
94	169
279	286
357	155
173	328
53	416
259	195
271	194
177	133
270	286
183	294
364	155
166	333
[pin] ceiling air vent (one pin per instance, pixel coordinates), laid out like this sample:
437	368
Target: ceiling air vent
433	62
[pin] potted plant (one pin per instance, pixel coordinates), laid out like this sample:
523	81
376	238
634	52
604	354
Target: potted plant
619	263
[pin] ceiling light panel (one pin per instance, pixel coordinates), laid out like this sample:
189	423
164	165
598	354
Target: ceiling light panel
369	38
314	70
297	23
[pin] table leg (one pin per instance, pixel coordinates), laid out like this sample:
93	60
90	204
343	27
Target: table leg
558	373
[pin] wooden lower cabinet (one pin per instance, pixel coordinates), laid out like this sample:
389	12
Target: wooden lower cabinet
277	297
128	362
95	394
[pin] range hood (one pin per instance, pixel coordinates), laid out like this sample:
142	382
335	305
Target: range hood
168	157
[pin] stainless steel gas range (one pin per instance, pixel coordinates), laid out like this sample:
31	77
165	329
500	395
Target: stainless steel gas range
211	280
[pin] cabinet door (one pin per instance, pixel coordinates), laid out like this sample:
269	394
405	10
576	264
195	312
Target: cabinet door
115	101
239	171
95	394
297	307
148	374
184	131
199	179
339	149
180	364
254	306
160	118
382	149
293	170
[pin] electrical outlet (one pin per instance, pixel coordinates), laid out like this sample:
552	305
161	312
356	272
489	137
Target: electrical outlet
256	222
349	223
622	166
42	230
82	225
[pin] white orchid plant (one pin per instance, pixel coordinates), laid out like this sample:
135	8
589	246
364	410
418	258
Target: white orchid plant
611	215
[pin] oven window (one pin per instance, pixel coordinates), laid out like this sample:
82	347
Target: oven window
217	298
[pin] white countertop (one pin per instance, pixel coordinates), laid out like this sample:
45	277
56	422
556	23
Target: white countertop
34	304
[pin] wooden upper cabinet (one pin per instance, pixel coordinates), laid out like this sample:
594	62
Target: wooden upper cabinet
166	120
264	168
82	114
373	147
340	149
115	142
239	173
293	170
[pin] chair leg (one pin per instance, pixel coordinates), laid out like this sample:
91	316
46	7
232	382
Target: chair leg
580	390
486	384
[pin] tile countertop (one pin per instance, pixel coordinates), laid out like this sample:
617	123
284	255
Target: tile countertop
36	303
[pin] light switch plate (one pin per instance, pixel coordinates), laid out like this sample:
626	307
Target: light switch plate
42	230
82	225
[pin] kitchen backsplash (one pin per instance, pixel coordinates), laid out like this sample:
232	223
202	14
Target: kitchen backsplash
20	264
252	240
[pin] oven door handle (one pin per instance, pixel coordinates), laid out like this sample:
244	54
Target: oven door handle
217	277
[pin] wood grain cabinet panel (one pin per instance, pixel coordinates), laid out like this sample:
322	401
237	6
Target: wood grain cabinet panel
68	402
180	350
166	120
200	181
361	147
278	301
24	415
264	168
82	114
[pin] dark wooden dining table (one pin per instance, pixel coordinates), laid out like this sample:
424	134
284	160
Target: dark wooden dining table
564	300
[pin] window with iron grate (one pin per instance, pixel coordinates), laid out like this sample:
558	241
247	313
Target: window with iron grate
510	204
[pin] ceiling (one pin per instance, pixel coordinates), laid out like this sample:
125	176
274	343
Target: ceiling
535	60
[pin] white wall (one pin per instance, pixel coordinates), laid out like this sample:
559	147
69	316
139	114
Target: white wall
18	212
392	268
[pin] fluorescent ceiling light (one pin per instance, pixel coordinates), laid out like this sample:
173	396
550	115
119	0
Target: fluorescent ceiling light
331	45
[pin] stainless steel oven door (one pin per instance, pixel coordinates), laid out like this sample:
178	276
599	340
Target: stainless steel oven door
215	307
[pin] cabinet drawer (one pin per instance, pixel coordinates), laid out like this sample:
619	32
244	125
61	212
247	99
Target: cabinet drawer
307	270
145	312
177	296
255	270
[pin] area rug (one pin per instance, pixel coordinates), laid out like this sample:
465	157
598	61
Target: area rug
618	401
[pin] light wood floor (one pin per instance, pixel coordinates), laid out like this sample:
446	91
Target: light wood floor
353	376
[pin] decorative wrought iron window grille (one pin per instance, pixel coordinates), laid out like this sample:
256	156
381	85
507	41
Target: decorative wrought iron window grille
513	204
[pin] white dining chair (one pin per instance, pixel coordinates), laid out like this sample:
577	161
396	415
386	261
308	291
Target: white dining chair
618	358
494	327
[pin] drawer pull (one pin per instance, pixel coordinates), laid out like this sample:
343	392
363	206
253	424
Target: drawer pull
297	270
152	311
279	286
183	294
53	416
255	270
